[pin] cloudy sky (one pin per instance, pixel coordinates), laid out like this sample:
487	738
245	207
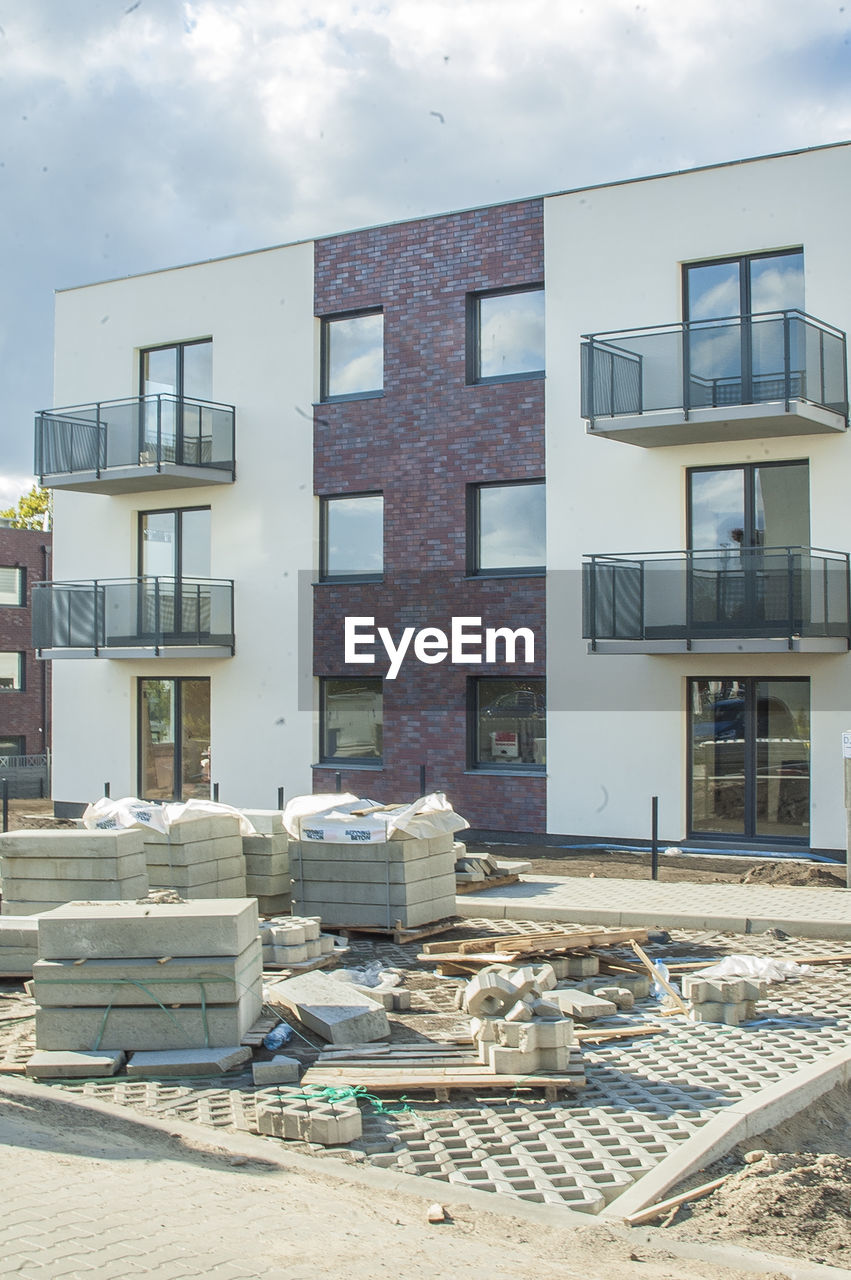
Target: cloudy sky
143	133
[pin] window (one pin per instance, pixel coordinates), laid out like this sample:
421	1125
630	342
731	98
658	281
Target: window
506	528
508	724
505	335
174	739
12	745
175	543
750	757
352	355
739	351
174	428
11	671
352	721
11	586
352	537
184	369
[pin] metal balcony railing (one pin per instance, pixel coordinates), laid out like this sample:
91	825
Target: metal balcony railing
143	431
736	593
133	613
734	361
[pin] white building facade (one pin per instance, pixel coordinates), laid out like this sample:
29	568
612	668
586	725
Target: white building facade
696	467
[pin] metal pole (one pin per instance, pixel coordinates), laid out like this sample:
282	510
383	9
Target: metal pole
338	778
846	754
106	789
422	779
280	797
215	793
5	804
654	838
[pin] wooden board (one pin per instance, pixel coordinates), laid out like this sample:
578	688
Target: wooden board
516	943
399	932
307	966
437	1080
253	1037
490	882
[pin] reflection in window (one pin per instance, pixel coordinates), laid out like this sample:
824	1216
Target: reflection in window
507	335
352	536
11	586
353	355
510	723
11	671
174	739
508	527
352	720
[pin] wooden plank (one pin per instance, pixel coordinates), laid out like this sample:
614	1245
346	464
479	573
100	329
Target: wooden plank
490	882
431	1079
674	1202
588	1035
657	977
561	938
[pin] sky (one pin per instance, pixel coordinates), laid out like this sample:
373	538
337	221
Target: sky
137	134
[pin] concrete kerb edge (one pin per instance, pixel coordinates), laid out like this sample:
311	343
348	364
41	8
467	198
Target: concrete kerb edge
207	1143
744	1119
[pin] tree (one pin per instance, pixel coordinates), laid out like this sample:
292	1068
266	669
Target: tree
33	510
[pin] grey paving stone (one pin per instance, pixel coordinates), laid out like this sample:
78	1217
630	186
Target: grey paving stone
187	1062
106	930
55	1065
334	1010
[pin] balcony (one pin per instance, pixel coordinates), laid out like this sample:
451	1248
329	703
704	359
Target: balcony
146	442
780	373
134	618
759	600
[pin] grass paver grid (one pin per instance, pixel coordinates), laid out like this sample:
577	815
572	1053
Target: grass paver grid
643	1097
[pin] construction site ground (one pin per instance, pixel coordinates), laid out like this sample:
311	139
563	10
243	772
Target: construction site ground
532	1187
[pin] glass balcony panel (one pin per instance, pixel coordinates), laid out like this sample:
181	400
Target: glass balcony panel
129	613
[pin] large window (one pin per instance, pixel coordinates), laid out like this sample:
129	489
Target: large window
173	379
11	586
174	739
506	528
352	721
505	335
352	355
352	537
11	671
750	757
175	543
508	724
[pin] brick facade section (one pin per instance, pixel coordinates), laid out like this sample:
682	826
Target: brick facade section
25	713
422	443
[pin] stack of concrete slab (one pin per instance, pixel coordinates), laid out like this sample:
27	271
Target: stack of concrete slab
40	870
201	857
402	881
147	976
18	946
267	863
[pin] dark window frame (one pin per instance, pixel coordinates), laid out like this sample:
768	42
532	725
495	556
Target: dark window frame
474	763
177	770
159	511
324	575
179	347
742	260
21	686
344	762
325	356
473	525
20	738
749	469
22	587
473	330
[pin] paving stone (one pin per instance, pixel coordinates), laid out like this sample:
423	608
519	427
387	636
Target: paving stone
490	994
334	1010
67	1066
131	1027
187	1062
278	1070
104	930
308	1119
582	1004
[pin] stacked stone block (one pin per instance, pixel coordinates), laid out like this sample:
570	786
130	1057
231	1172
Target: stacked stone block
267	865
127	976
728	1000
40	870
290	941
200	858
403	881
515	1024
18	946
299	1118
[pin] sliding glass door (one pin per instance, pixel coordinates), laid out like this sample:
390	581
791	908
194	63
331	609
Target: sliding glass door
174	739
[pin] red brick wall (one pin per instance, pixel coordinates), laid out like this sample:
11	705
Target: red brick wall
24	712
422	442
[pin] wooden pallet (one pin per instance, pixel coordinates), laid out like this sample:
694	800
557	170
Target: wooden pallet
470	954
439	1080
400	933
490	882
253	1037
306	966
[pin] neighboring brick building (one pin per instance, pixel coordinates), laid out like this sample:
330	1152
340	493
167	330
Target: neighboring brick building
24	682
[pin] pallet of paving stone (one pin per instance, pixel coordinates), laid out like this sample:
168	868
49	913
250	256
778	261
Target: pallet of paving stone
489	882
441	1081
399	933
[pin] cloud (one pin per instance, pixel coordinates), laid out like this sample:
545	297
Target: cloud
142	135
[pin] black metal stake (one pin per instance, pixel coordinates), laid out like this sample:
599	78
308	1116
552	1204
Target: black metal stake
654	838
339	781
215	793
106	789
280	797
422	779
5	804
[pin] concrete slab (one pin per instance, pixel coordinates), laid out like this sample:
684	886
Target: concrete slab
59	891
316	894
342	914
70	843
180	980
279	1070
186	853
304	851
582	1004
187	1062
334	1010
37	867
326	870
147	1028
20	933
260	886
102	931
209	827
265	821
190	875
57	1065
